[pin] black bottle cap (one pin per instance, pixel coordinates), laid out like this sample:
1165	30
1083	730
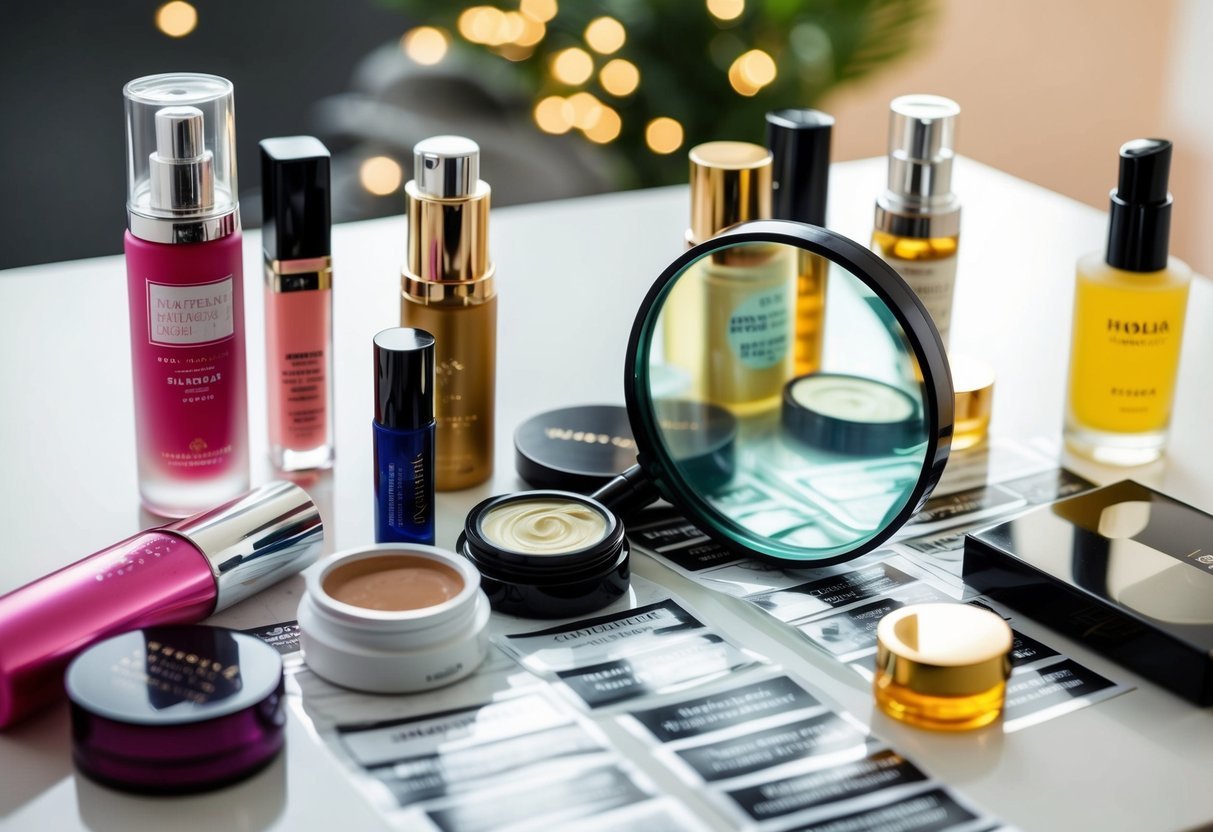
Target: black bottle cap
1139	225
404	378
799	141
296	218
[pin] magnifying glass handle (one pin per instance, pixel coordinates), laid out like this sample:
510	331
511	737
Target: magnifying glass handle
628	493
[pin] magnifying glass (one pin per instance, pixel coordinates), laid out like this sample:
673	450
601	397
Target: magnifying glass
812	464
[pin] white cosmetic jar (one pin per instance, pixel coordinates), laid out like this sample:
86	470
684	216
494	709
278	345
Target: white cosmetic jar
397	650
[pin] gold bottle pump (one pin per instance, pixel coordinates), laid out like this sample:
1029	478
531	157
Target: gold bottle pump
448	289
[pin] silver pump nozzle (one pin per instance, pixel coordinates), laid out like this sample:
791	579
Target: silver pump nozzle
182	178
446	167
922	141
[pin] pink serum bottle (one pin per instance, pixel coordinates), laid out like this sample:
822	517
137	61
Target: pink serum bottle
295	236
186	291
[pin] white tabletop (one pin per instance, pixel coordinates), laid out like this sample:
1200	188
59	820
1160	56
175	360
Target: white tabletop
571	275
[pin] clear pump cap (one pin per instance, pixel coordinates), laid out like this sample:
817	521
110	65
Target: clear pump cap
180	157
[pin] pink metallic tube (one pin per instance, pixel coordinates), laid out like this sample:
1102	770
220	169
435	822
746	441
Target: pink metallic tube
177	574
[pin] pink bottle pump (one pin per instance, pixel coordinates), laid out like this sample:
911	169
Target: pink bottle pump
186	292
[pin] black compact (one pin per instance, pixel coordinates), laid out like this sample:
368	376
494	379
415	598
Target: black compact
1124	569
574	448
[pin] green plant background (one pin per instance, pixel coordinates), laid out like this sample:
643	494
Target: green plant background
684	53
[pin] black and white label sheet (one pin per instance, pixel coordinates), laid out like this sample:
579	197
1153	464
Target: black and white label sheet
504	749
837	608
644	717
774	756
640	718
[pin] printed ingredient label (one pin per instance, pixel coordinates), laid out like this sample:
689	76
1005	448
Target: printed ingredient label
194	314
759	329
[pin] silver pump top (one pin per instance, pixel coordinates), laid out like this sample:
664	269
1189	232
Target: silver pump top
182	174
446	167
255	540
922	143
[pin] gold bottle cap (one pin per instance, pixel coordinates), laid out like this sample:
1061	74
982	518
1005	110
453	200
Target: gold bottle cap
944	649
730	183
973	382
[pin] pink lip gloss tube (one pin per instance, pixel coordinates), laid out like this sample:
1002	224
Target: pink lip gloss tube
295	236
185	288
175	574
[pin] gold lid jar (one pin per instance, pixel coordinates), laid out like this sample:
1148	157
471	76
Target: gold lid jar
973	385
942	666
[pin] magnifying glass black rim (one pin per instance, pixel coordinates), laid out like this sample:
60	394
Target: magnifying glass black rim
878	276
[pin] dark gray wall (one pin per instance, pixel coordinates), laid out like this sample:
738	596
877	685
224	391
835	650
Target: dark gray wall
62	67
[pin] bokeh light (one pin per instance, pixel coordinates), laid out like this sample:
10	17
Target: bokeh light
586	110
726	9
663	135
554	114
605	35
176	19
380	175
752	71
532	32
425	45
619	77
540	10
480	24
606	128
572	66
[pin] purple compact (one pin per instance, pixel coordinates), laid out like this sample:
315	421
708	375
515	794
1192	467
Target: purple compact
169	710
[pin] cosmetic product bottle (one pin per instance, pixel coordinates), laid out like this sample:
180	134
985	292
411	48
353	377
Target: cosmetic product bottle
179	573
448	289
295	236
186	292
177	709
742	303
799	140
404	436
917	229
942	666
394	618
1129	307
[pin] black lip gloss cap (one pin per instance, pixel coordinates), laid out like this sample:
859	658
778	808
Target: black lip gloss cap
404	378
799	141
296	213
1139	224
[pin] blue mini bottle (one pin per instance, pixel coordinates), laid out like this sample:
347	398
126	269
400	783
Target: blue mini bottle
404	436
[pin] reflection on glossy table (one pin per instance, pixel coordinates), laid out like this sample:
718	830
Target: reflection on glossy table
571	277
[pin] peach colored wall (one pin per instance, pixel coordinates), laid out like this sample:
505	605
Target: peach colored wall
1049	89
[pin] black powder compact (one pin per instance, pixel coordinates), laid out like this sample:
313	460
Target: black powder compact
1123	569
575	448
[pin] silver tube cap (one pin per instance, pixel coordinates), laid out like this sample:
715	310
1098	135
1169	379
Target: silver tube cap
446	167
256	540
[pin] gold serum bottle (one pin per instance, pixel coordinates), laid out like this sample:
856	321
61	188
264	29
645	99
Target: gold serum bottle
917	228
799	140
729	323
448	290
1129	306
